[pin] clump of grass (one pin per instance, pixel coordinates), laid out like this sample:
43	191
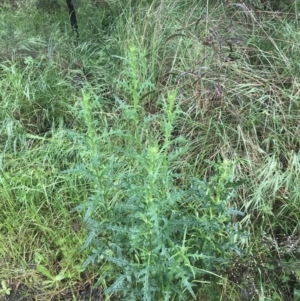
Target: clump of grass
40	241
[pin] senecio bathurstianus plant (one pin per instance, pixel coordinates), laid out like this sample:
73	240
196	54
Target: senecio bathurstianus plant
154	239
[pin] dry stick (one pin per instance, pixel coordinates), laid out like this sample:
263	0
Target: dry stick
72	15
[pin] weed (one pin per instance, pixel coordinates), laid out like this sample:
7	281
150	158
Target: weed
157	238
180	98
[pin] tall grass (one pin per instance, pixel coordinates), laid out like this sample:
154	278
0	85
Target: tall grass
164	122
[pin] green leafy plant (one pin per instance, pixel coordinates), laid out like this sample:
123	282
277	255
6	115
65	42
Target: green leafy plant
157	238
235	70
4	290
51	281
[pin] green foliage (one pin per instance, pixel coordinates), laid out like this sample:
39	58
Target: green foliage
4	290
157	237
179	99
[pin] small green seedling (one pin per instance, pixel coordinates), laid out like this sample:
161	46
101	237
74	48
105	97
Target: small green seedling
4	290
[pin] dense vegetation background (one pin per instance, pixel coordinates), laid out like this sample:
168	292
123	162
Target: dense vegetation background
155	157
